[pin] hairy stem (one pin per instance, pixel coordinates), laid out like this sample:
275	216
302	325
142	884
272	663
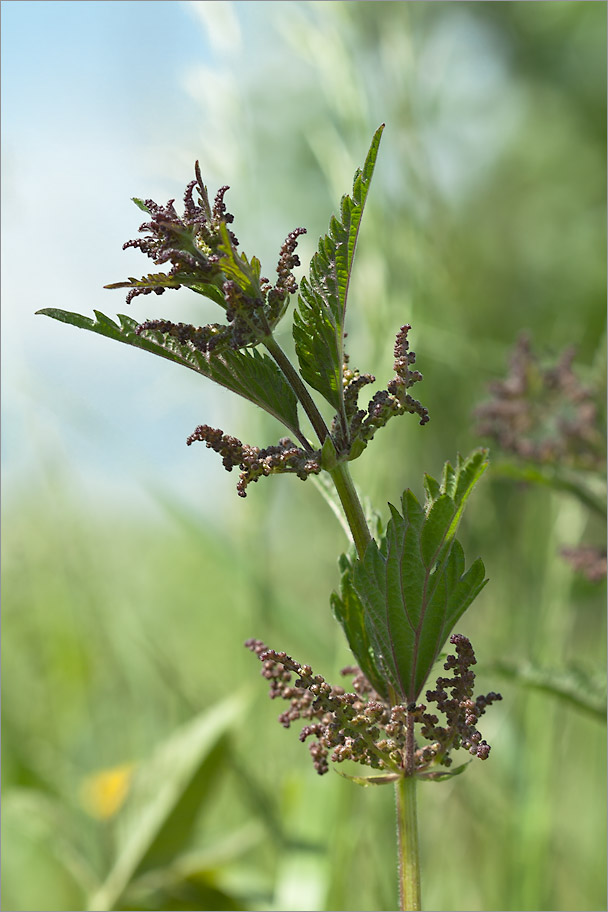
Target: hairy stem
352	507
408	854
340	474
410	745
293	378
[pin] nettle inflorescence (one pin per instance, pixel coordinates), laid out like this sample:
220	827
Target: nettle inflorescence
402	590
351	438
205	257
254	462
201	248
363	727
551	427
543	413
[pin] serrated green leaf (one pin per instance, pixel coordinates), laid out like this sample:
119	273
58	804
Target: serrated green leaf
435	529
457	485
152	280
318	328
165	280
166	797
248	373
432	488
349	612
414	586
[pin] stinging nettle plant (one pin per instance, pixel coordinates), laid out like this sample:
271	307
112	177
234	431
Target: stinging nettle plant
402	589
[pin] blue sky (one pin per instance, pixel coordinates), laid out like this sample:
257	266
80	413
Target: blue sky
97	106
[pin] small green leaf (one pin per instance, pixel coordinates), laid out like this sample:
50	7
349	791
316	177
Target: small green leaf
236	266
387	779
140	204
440	775
165	280
248	373
329	457
318	328
414	587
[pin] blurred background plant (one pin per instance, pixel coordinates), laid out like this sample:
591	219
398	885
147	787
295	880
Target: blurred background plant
132	573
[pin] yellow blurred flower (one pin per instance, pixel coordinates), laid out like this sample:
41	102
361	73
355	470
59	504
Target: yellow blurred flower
102	794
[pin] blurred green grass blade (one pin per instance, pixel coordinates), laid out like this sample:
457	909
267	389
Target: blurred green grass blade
192	894
167	796
46	819
558	478
196	880
580	687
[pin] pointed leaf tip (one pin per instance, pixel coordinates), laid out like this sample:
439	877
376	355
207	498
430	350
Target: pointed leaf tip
318	328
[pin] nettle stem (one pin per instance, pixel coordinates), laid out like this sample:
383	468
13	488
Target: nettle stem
351	504
340	475
407	822
408	852
294	380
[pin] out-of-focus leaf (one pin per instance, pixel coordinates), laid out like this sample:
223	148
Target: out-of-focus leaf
167	795
194	881
248	373
413	586
194	893
579	686
318	328
46	818
588	487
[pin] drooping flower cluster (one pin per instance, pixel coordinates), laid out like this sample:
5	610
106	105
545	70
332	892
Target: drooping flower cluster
362	424
254	462
362	727
204	257
544	414
454	698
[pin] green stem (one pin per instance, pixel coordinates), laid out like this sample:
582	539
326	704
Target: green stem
352	507
293	378
407	832
340	474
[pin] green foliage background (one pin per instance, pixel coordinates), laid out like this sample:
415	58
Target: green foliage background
486	217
